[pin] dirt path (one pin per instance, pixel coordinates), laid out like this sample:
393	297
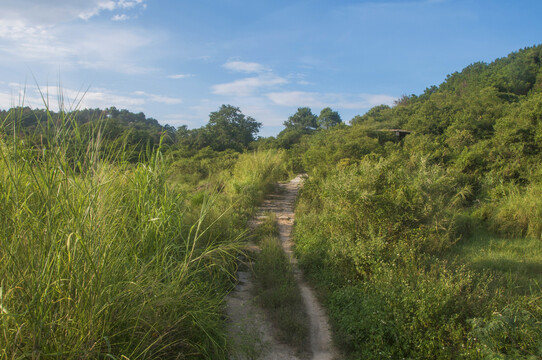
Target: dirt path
252	334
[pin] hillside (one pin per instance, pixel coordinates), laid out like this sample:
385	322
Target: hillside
429	246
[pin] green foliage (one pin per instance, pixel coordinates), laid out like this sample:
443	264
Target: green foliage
203	166
102	258
253	176
515	332
516	211
102	261
375	212
376	116
303	120
228	128
276	288
388	229
410	313
288	137
121	131
517	261
339	146
328	118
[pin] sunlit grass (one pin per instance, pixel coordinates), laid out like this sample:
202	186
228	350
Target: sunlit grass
516	262
99	258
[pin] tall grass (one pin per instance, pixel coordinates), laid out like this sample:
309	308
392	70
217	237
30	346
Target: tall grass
516	211
99	259
255	174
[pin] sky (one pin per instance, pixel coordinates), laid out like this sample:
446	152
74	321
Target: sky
179	60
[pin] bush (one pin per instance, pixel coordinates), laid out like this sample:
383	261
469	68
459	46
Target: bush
375	212
408	313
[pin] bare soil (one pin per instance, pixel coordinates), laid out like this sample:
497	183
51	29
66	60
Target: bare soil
252	334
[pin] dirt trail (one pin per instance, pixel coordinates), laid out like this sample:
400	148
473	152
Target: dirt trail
252	334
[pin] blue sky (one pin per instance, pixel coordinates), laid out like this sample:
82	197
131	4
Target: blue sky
179	60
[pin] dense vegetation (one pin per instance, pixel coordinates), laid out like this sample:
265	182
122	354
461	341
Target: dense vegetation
119	236
430	246
121	131
104	258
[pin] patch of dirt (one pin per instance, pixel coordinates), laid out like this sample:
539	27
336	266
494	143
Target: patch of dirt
252	335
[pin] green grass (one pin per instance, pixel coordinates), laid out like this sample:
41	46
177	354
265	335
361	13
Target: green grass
104	259
514	269
485	250
516	263
267	228
277	290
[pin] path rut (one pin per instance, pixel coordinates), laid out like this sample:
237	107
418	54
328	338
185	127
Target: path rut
251	333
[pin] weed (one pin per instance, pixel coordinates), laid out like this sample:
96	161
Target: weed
277	291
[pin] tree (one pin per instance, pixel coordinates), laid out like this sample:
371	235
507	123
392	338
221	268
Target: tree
328	118
303	120
229	128
375	116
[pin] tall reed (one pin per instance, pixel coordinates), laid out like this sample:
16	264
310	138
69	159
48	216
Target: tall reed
99	258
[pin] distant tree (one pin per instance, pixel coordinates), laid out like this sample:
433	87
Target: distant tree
303	120
405	100
182	131
328	118
229	128
375	116
112	112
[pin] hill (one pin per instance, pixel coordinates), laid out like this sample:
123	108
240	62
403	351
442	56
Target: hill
428	245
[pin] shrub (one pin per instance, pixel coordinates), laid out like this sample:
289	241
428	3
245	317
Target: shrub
375	212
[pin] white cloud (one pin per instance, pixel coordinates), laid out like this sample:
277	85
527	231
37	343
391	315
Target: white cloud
339	101
102	98
180	76
295	98
190	120
159	98
9	100
44	13
120	17
245	67
97	47
260	108
129	4
72	99
52	33
106	5
247	86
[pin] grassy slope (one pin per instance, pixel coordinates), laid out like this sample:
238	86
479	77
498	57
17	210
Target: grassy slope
429	247
100	258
